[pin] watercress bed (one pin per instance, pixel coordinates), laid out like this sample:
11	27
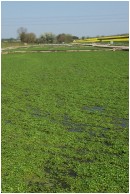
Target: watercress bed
65	122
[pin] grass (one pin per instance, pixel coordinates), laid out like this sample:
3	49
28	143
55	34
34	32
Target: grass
10	44
65	122
121	43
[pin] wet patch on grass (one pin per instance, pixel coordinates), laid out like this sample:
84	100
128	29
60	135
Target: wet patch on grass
102	135
106	128
35	112
85	160
67	121
47	169
73	126
36	187
93	109
72	173
39	186
75	130
39	114
92	133
20	110
58	176
64	184
8	122
36	115
108	143
121	122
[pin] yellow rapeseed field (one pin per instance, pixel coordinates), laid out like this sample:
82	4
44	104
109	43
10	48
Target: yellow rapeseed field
104	39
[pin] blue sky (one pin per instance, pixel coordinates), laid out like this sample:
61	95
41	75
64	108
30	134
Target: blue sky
79	18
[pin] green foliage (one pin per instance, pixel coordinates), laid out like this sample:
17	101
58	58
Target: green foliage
65	122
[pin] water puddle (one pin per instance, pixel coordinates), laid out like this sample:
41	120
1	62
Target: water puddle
72	173
35	112
93	109
71	125
64	184
80	127
66	120
124	123
36	186
75	130
121	122
47	170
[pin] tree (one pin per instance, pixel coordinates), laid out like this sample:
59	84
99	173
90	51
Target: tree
64	38
22	34
68	38
61	38
83	37
47	37
42	39
26	37
21	30
30	38
75	37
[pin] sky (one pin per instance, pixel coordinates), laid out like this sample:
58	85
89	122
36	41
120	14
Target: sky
79	18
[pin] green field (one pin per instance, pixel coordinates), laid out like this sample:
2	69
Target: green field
65	122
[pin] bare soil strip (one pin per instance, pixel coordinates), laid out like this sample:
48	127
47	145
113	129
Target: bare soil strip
52	51
106	48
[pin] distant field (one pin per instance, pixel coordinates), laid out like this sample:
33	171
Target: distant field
65	122
43	47
121	39
8	44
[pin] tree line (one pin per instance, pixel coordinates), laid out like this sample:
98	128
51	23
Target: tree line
47	37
